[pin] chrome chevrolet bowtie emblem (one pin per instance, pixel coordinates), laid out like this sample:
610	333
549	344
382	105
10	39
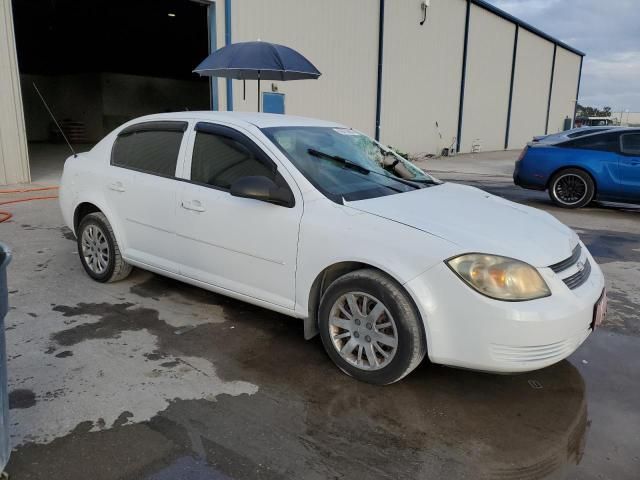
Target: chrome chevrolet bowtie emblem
580	266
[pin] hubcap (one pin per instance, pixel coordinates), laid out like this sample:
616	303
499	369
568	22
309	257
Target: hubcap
570	189
363	331
95	249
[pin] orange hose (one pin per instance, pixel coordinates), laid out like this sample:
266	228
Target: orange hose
4	216
25	190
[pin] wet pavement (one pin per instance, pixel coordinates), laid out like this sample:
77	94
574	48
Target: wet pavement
152	379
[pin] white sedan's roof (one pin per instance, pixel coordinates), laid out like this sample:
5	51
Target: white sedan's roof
260	120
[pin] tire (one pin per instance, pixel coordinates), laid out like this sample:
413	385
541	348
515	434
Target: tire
363	339
571	188
100	255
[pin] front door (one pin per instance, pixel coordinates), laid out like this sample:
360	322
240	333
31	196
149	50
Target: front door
629	166
239	244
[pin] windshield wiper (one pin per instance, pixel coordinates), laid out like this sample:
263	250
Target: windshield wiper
358	168
343	161
426	181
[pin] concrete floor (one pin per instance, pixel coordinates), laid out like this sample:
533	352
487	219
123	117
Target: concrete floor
152	379
47	159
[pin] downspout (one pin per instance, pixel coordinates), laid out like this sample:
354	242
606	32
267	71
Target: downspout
227	41
213	46
380	58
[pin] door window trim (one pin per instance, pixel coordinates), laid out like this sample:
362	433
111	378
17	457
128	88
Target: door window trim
180	126
234	134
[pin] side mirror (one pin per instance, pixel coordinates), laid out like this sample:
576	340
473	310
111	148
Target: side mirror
263	189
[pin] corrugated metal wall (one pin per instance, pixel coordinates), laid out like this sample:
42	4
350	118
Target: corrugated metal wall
563	97
14	163
422	70
530	88
486	100
421	79
339	37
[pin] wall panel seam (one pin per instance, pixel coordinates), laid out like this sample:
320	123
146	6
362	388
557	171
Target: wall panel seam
575	107
513	72
553	68
463	75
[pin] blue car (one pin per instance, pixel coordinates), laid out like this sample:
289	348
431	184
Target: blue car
601	166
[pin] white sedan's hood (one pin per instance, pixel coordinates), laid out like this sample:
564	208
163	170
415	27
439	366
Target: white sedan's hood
478	222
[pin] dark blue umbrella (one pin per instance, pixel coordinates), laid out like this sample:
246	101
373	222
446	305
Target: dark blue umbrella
257	61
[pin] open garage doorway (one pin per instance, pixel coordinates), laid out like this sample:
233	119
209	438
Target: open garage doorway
100	63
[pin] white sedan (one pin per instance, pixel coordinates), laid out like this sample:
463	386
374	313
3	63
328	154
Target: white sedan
320	222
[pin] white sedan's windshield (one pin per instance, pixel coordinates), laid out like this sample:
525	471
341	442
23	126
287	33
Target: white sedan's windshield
344	164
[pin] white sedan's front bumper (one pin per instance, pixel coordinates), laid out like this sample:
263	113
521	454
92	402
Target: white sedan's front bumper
466	329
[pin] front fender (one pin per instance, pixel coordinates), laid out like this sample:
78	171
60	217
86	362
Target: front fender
400	251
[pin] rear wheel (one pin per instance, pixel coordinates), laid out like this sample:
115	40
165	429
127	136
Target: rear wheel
370	327
99	251
571	188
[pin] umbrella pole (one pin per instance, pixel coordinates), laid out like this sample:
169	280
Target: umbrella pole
258	90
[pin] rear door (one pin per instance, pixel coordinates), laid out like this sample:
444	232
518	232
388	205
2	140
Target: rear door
629	166
152	152
239	244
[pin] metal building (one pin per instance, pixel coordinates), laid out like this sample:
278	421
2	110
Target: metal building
421	75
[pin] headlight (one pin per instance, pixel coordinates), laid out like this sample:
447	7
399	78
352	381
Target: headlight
498	277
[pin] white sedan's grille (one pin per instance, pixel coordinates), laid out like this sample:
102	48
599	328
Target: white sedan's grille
576	261
578	278
567	262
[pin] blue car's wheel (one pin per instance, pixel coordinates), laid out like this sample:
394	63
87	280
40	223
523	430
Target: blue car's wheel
571	188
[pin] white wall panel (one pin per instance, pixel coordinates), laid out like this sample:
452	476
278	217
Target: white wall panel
422	70
14	162
486	100
339	37
530	88
421	79
565	84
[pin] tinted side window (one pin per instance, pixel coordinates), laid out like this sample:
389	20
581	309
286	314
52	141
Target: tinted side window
630	143
607	142
219	161
150	148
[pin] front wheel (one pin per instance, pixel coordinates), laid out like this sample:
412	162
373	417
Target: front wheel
571	188
370	327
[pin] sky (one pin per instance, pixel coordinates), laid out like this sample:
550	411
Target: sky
608	31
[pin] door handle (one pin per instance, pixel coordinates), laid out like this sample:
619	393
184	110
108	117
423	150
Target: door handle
117	187
194	205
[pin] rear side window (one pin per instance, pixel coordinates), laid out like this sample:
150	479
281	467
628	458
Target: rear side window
220	157
630	143
606	142
150	147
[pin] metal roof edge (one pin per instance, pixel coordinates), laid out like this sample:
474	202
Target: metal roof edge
501	13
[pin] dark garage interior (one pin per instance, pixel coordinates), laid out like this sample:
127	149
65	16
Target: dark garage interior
103	62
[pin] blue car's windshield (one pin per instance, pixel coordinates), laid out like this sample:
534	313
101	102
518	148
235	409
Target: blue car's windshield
344	164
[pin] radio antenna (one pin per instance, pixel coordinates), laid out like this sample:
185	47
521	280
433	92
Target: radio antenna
54	120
